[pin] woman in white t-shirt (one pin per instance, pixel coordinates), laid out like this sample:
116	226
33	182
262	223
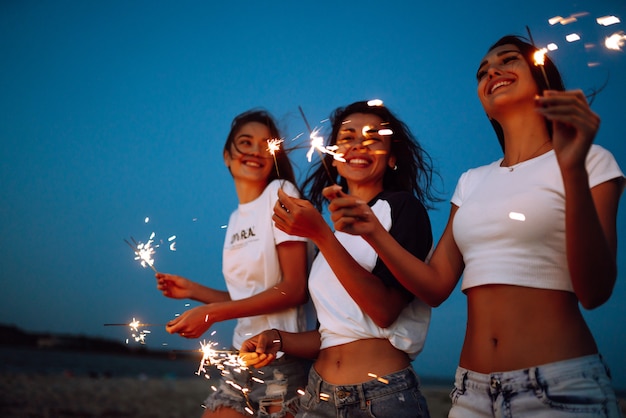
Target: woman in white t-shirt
370	326
265	271
534	236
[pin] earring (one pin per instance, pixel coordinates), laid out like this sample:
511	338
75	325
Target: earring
395	167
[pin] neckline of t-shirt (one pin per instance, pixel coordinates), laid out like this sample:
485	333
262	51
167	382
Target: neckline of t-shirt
514	167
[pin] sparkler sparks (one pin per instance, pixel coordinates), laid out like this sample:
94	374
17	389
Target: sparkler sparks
317	144
227	362
143	251
273	146
139	335
539	57
218	358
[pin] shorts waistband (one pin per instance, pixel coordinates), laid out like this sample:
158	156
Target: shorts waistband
531	377
358	393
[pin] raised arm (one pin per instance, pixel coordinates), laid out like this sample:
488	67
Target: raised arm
380	302
433	281
590	214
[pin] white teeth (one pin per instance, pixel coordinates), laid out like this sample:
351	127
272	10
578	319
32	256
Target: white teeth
358	161
253	163
499	84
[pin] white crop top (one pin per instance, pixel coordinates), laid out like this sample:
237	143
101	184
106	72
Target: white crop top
341	319
510	225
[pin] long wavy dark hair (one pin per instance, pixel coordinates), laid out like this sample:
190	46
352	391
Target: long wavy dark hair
285	169
414	172
553	75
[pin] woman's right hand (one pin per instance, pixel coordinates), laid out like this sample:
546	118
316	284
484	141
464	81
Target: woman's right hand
298	217
175	287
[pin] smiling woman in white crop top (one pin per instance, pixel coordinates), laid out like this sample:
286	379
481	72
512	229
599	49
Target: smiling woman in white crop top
370	326
534	236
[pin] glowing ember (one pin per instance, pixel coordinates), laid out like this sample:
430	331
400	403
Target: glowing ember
380	379
608	20
540	57
615	42
572	37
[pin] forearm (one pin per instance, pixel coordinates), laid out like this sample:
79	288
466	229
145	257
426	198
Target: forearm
204	294
278	298
431	282
590	253
380	302
301	344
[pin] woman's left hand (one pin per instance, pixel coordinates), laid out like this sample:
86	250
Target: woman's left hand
350	214
574	125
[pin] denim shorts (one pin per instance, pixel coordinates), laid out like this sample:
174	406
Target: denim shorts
396	395
253	391
579	387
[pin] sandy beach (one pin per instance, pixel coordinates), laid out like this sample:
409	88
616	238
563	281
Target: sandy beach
23	395
33	396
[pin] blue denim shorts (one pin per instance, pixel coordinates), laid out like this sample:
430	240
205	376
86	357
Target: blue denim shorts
396	395
579	387
253	391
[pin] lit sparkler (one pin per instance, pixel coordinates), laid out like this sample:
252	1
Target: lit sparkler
218	358
273	145
137	334
227	362
143	251
317	144
539	57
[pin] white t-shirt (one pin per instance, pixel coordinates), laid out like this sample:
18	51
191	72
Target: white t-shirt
250	261
340	317
510	225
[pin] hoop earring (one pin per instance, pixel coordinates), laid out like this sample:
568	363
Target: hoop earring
395	167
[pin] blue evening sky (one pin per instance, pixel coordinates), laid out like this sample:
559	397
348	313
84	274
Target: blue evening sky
114	111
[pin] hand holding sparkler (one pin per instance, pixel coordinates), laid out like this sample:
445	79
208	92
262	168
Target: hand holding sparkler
262	349
350	214
298	217
175	287
191	323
